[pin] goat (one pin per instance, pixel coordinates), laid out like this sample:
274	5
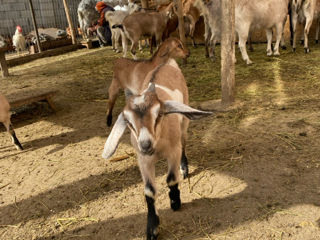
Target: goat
158	118
5	116
248	16
87	15
128	73
117	17
142	24
192	14
302	11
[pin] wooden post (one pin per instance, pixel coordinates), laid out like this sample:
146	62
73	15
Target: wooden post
3	64
35	25
227	52
144	4
73	33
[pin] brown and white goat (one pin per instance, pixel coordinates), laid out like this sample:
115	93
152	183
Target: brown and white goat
157	116
303	11
128	73
5	116
140	24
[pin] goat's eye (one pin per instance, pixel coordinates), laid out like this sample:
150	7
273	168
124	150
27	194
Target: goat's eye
180	46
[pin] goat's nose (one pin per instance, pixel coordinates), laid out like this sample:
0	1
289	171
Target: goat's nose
145	145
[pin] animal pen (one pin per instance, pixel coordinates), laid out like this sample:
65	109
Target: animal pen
253	164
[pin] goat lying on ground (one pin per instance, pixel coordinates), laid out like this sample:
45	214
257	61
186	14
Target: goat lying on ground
128	73
5	116
158	120
142	24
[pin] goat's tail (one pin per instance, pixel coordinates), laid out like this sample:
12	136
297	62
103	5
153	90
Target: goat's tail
118	26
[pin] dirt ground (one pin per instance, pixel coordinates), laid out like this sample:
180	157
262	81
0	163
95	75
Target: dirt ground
254	170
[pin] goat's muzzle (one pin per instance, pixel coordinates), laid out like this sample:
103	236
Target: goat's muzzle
146	147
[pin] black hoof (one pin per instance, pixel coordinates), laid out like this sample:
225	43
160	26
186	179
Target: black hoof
152	229
109	120
283	47
301	42
306	50
174	195
293	50
317	41
175	205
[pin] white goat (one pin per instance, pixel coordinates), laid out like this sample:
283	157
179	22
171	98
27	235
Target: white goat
248	16
5	116
157	117
117	17
304	11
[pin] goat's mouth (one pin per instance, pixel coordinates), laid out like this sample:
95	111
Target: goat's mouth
148	151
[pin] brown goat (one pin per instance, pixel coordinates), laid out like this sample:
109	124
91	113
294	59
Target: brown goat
5	116
141	24
157	115
130	73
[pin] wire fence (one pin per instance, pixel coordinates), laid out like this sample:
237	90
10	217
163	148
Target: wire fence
48	14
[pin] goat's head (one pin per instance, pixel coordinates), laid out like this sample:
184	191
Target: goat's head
173	48
144	115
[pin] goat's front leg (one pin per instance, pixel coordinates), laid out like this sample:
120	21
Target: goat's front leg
12	133
174	160
147	168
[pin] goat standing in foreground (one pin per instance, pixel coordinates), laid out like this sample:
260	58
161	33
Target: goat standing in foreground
5	115
158	120
128	73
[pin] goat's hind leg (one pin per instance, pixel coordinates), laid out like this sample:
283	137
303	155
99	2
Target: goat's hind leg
184	168
12	133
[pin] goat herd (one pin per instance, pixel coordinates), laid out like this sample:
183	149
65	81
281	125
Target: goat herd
156	109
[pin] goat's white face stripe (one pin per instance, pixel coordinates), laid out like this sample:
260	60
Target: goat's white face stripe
130	118
144	135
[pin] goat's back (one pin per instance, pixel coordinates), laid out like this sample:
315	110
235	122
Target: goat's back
144	23
261	13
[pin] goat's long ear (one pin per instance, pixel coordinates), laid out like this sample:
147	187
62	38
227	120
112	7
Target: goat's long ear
189	112
114	137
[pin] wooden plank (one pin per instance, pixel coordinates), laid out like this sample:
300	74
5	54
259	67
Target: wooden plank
3	64
52	52
21	98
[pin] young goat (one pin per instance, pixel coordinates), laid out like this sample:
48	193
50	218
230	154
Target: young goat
143	24
5	115
128	73
157	131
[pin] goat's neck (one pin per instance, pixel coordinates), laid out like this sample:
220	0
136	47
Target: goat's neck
158	60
